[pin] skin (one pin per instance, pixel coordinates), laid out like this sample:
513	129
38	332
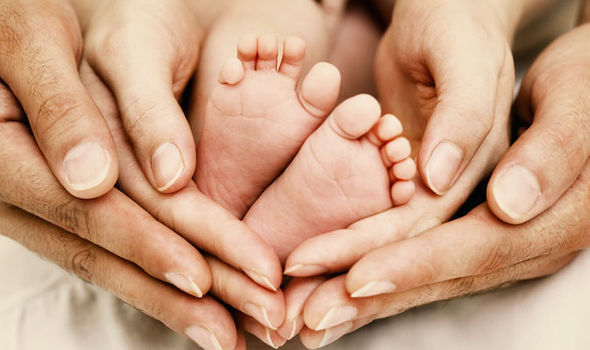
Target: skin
448	261
403	95
158	250
161	252
453	90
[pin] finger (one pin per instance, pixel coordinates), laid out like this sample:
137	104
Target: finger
312	339
68	127
296	293
235	289
266	335
475	244
330	305
548	157
188	212
241	342
203	320
146	82
10	109
339	250
472	97
113	222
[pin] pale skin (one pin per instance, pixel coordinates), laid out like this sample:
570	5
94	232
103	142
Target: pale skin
269	110
342	248
32	188
190	275
21	218
446	261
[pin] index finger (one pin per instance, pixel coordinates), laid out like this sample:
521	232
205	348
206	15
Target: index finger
205	321
475	244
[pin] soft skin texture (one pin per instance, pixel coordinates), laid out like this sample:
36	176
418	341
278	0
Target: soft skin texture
284	18
229	170
251	262
146	51
403	91
353	166
450	260
449	90
451	81
100	253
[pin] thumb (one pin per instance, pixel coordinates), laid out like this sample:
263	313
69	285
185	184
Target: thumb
145	83
472	96
546	160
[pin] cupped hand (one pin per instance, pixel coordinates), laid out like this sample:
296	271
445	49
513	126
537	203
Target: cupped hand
246	272
445	68
476	252
542	165
146	52
116	245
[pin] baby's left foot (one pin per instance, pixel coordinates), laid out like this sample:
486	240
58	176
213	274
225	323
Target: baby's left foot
354	166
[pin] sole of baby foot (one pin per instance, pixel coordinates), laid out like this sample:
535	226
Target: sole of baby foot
257	118
355	165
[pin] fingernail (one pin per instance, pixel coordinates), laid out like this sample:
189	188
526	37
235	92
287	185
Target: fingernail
184	283
203	337
288	329
293	330
335	333
259	313
516	191
86	165
306	270
374	288
270	342
337	315
443	166
167	165
260	279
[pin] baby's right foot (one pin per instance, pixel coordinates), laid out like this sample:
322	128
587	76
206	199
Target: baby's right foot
256	120
355	165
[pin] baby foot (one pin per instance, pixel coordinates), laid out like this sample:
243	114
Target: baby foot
353	166
256	120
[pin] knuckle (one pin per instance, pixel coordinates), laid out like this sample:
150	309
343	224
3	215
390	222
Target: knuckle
460	287
82	262
73	216
58	112
108	43
567	141
137	114
496	256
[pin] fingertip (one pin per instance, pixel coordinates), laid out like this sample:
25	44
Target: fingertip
512	193
172	169
90	169
442	167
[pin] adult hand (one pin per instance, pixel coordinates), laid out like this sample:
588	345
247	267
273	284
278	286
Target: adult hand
476	252
541	166
204	320
246	272
445	68
146	52
115	239
40	46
